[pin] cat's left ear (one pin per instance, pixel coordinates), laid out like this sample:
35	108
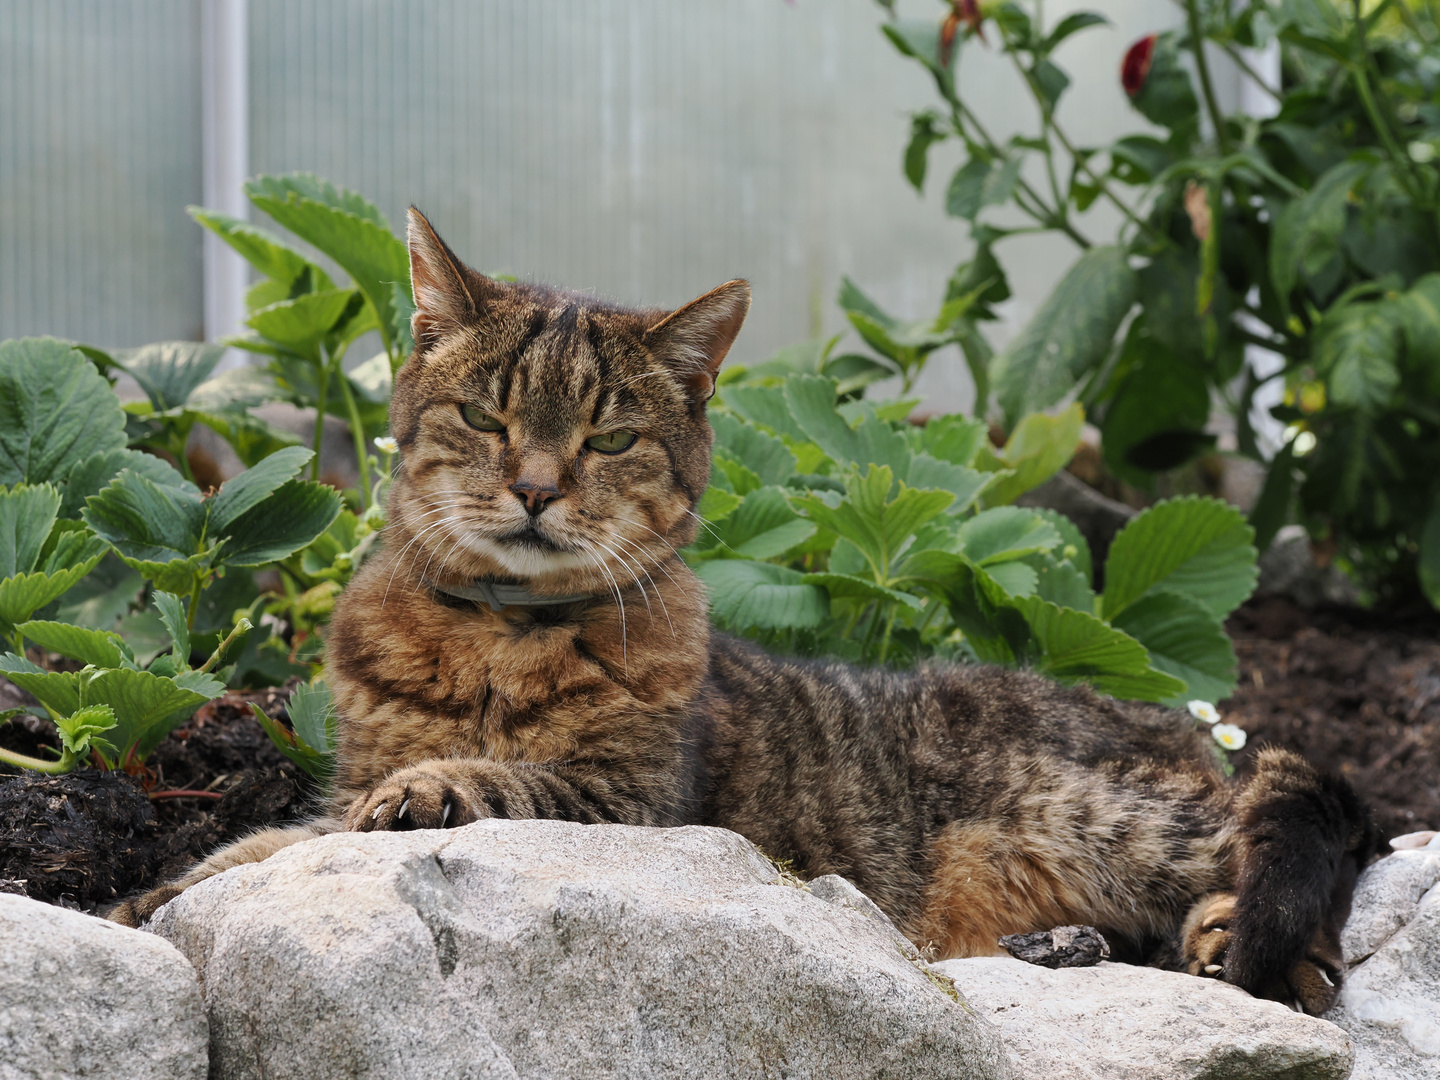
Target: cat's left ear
695	338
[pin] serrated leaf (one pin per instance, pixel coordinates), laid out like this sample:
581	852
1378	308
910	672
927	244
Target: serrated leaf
27	514
965	484
145	522
1003	534
953	438
101	596
263	250
1060	582
1075	645
877	525
1015	578
1197	546
1185	640
854	587
242	493
766	407
169	371
740	479
77	729
764	525
302	324
1068	337
293	516
345	227
306	757
716	505
1074	548
89	476
55	410
99	647
768	457
810	400
172	614
759	595
312	714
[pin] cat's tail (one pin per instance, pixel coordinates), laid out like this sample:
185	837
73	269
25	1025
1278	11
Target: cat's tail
1305	835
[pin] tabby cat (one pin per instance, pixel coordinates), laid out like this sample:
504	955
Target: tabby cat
529	644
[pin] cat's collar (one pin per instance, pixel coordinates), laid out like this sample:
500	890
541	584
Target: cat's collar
500	595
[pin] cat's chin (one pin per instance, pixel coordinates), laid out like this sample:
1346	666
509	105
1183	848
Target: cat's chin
524	560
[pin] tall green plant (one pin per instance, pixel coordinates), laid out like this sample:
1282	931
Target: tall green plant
1311	234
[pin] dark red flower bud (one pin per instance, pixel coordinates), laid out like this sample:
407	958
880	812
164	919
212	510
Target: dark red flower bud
1135	68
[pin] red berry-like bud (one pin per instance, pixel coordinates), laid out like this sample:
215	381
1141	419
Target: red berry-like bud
1135	68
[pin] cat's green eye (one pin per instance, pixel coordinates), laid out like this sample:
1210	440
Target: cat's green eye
480	421
612	442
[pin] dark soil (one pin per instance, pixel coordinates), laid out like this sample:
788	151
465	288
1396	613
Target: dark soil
87	839
1354	692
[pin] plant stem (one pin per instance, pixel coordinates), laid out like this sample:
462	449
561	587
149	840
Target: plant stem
1281	347
321	400
1197	46
241	627
24	761
199	580
357	432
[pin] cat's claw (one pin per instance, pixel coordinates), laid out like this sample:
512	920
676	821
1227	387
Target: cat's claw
403	807
412	799
1213	969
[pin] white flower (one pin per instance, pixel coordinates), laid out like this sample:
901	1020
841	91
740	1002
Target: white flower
1229	736
385	444
1203	710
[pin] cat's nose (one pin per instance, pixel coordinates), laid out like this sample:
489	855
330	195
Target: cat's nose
535	496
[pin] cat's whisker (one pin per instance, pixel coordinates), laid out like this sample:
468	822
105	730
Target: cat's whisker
659	564
638	584
424	573
646	375
401	555
620	600
658	595
706	525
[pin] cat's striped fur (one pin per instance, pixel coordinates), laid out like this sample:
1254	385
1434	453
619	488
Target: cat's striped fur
969	802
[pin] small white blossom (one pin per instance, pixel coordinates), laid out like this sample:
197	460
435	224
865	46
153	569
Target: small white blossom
1229	736
1203	710
385	444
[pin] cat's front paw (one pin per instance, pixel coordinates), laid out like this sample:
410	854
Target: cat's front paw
413	799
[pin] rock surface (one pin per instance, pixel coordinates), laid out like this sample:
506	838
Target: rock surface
1390	1003
1117	1022
81	997
544	948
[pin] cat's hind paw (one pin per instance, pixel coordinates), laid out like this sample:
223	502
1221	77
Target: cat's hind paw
137	912
1311	985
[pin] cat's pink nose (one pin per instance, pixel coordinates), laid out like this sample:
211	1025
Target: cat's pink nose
535	496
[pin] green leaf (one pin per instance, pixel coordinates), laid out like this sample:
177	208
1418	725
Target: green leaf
1429	561
852	587
1075	645
768	457
55	410
810	401
345	227
293	516
1420	316
1005	533
1038	448
1160	406
169	371
716	505
89	476
878	527
254	485
263	250
1197	546
967	485
1068	337
1185	640
27	514
312	714
920	39
766	406
1073	23
1059	581
99	647
75	555
1167	97
146	523
758	595
77	729
952	438
978	184
301	325
172	614
764	526
1357	349
1307	233
923	135
103	595
1074	548
1272	509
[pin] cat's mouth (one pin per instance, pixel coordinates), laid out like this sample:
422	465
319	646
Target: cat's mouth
531	539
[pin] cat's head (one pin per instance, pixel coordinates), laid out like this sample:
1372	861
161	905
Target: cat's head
548	436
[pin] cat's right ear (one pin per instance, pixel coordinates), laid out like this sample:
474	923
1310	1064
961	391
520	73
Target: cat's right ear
447	292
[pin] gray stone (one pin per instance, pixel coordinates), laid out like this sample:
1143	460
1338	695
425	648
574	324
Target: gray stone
545	948
1390	1003
1287	568
82	997
1117	1022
